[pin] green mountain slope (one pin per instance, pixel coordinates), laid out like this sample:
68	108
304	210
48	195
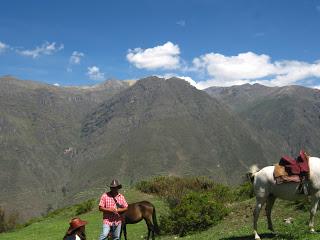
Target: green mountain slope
290	113
39	134
165	127
58	142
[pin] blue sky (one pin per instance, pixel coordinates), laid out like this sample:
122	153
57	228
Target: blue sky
273	42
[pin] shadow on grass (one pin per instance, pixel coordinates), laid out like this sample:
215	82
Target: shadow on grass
262	236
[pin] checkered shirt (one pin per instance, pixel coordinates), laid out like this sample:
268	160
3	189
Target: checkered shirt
107	201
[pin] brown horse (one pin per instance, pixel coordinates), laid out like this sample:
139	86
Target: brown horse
138	211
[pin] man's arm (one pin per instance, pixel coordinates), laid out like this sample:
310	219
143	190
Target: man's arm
112	210
121	210
103	205
124	205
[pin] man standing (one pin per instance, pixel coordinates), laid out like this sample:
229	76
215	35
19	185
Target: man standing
112	204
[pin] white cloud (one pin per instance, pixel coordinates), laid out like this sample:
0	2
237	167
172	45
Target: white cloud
56	84
252	68
185	78
45	49
259	34
95	74
75	58
181	23
244	65
189	80
3	47
160	57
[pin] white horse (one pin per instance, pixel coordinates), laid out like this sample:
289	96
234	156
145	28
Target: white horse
266	191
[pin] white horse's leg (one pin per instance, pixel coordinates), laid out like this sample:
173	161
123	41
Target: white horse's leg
313	210
270	201
259	204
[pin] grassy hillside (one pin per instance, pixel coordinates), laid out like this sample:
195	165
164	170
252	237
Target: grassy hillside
50	137
53	228
167	127
288	115
236	226
39	134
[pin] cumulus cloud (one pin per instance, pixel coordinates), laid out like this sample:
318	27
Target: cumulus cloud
160	57
95	74
75	57
185	78
45	49
3	47
56	84
189	80
181	23
252	68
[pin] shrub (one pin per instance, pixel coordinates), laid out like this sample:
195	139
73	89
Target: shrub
196	211
85	207
7	223
195	203
172	189
244	191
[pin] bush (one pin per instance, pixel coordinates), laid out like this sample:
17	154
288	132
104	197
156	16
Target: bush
172	189
196	211
7	223
195	203
244	191
85	207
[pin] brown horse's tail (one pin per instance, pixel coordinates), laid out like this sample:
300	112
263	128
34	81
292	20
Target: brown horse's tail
155	222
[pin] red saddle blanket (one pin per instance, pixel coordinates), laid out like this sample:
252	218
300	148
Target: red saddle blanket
298	166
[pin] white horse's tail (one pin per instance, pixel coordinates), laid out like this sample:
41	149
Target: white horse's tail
252	172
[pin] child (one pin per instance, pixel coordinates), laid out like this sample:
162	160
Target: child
76	230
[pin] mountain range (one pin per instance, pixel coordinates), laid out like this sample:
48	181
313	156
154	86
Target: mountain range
289	113
57	142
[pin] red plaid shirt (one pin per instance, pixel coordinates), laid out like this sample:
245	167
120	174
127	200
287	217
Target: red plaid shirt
106	201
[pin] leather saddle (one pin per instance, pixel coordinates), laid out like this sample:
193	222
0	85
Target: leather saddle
292	170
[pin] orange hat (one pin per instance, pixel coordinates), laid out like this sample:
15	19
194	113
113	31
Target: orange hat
75	223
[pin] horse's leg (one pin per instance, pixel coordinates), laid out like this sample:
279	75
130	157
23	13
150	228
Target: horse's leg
150	229
259	204
148	233
270	201
152	232
313	210
124	231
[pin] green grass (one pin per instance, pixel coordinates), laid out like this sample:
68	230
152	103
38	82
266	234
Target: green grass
236	226
54	227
